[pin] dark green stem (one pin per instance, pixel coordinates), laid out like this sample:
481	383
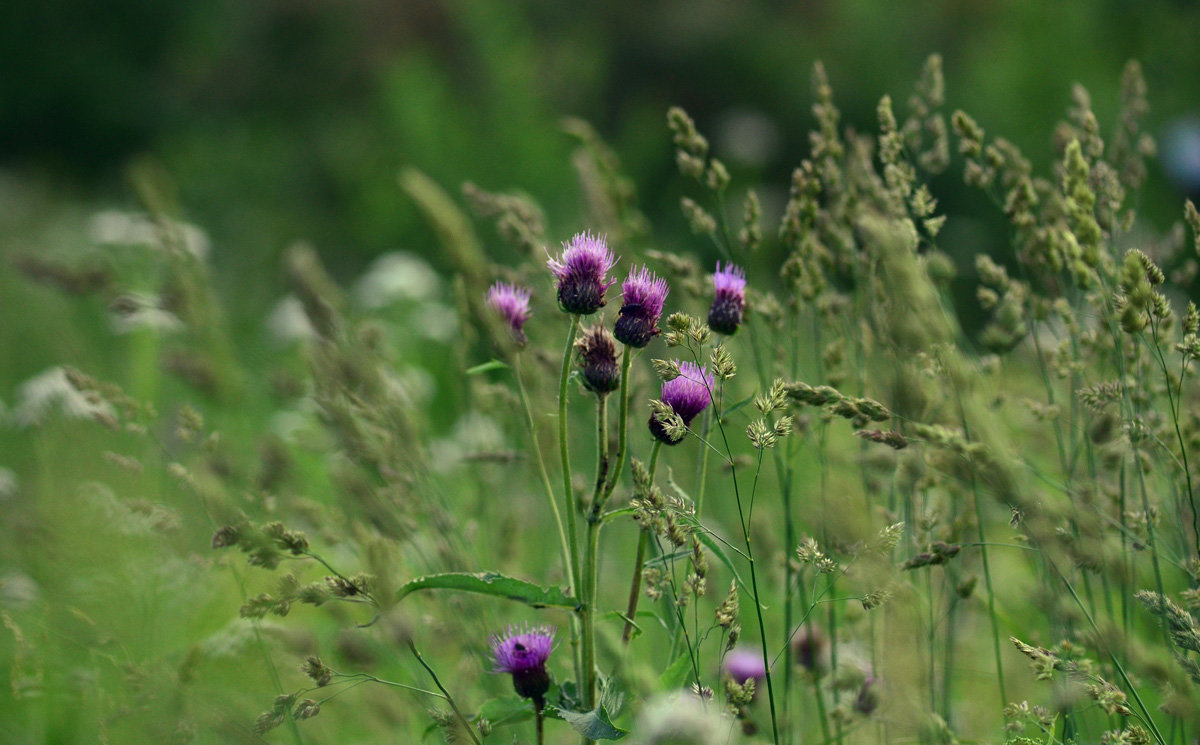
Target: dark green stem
568	493
591	549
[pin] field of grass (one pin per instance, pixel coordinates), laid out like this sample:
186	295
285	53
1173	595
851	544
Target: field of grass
322	525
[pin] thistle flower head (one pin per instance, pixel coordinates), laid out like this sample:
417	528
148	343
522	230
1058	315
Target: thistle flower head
743	664
643	295
512	303
729	299
598	360
687	395
582	274
522	653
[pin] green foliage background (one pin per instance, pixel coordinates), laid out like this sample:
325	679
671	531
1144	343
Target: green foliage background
272	122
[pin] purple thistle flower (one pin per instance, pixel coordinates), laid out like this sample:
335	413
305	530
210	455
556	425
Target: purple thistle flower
743	664
643	297
582	274
729	301
522	653
512	303
687	395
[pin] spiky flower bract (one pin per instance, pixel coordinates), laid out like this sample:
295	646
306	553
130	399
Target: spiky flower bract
522	653
643	296
598	360
729	300
582	274
687	395
512	303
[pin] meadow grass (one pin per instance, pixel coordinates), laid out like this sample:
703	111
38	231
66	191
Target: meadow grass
792	500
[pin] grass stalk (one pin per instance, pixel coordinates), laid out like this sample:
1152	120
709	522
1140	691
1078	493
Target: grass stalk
635	584
545	476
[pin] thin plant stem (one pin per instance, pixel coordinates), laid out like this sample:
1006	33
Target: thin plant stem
703	482
568	493
821	712
565	452
635	584
1183	450
449	699
591	548
622	431
541	463
762	631
987	573
540	718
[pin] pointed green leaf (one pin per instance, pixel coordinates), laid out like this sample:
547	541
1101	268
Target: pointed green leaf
494	584
676	675
487	366
594	725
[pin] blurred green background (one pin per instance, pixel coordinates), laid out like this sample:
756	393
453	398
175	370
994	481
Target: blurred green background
270	122
289	119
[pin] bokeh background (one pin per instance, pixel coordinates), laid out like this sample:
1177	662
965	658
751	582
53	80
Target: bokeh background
289	119
266	123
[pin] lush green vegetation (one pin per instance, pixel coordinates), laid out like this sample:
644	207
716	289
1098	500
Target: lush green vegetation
941	481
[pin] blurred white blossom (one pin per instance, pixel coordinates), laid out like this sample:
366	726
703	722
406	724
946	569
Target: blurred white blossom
397	276
288	323
115	227
51	391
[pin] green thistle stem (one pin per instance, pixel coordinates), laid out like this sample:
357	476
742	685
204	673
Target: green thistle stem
568	497
591	549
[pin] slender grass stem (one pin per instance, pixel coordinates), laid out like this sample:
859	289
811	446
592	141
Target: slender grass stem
762	631
1146	717
466	724
820	699
635	584
1183	450
545	476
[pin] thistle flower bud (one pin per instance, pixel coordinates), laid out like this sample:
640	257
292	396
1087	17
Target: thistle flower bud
729	302
867	700
686	396
643	295
522	653
512	303
582	274
810	648
598	360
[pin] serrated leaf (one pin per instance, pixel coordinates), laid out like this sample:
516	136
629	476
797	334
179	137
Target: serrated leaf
494	584
594	725
487	367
